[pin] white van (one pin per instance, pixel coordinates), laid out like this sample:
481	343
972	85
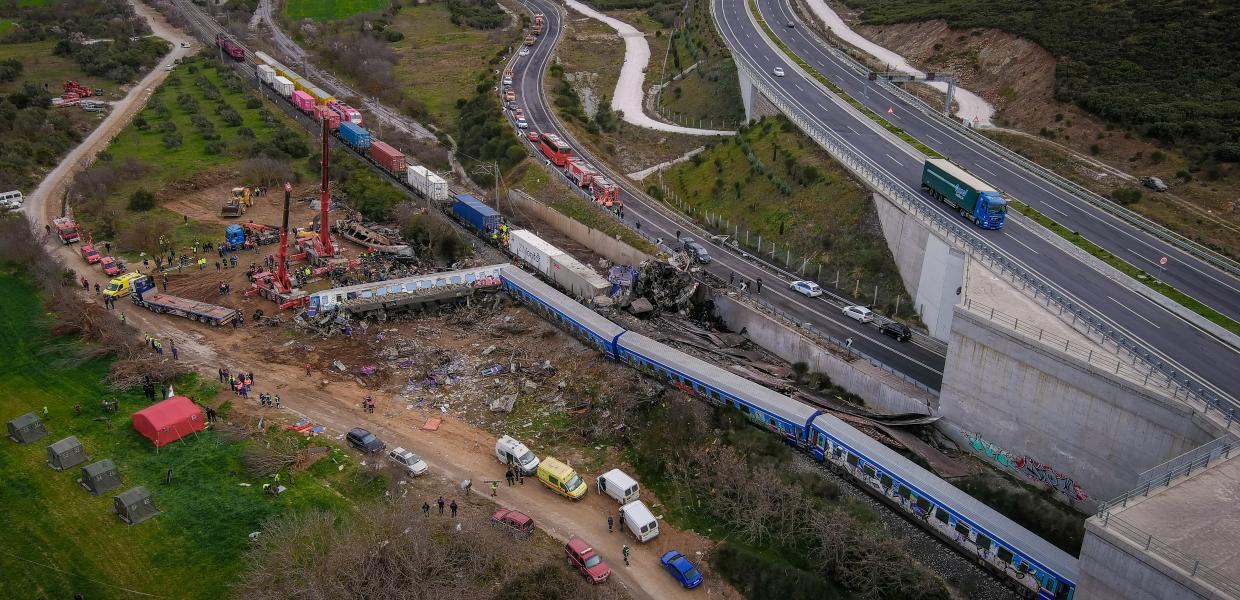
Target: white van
11	199
639	521
511	452
619	486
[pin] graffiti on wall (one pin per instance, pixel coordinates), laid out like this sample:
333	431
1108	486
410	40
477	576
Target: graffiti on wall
1030	467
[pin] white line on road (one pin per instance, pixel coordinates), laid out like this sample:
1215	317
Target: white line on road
1134	312
983	167
933	139
898	162
852	130
1013	238
1049	207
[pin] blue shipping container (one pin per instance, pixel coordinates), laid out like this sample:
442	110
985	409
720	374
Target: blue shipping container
473	211
355	136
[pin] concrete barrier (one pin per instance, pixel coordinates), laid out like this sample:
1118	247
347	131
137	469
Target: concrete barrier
614	250
881	391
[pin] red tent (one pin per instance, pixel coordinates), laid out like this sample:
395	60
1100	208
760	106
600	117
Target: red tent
168	421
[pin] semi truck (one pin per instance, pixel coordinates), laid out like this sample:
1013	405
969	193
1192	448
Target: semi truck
973	198
144	293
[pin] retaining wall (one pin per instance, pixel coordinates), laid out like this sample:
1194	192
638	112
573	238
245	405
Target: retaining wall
614	250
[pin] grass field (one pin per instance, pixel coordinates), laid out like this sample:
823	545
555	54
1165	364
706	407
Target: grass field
773	181
191	157
440	62
43	67
323	10
68	541
5	26
711	91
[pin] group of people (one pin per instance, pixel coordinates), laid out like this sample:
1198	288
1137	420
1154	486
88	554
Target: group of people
155	344
239	383
426	507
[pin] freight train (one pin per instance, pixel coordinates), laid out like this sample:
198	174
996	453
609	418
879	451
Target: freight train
230	47
1031	564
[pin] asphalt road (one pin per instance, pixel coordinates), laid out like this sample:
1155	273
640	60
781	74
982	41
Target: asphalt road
1188	274
1181	344
922	364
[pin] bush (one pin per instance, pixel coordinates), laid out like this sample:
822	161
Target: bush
478	14
172	140
252	103
1126	195
214	147
760	578
141	201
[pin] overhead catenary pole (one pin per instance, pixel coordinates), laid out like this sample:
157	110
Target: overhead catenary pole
325	201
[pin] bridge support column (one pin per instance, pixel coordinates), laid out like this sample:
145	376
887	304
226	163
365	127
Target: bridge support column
756	105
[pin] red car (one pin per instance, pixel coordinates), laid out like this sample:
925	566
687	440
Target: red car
532	136
90	254
111	266
520	523
582	557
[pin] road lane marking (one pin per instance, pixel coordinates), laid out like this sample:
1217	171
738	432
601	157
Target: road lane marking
898	162
1122	305
1013	238
983	167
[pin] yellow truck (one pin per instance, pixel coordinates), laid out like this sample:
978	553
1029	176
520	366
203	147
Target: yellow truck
121	286
561	478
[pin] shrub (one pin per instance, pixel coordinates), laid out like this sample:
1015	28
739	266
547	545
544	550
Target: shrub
141	201
1126	195
760	578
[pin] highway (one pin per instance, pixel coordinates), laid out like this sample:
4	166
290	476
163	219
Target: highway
1186	273
921	363
1187	349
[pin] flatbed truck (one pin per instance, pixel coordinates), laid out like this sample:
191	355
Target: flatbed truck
145	294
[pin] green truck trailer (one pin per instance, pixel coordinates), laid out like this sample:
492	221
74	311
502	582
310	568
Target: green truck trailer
975	199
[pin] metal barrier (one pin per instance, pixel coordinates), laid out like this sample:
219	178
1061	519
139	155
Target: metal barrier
951	229
1132	218
1159	477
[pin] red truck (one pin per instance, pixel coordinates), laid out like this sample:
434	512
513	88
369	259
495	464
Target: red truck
580	172
67	229
537	26
391	159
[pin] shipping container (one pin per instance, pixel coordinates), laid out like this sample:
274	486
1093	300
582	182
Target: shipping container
333	119
303	101
391	159
282	86
533	250
478	215
266	73
975	199
576	279
354	136
426	183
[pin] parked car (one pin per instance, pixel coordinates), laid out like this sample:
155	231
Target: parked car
808	288
522	123
779	71
859	313
680	568
111	266
512	453
408	462
520	523
697	251
582	557
364	440
899	331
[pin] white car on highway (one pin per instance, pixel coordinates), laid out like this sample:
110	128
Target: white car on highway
779	71
524	52
859	313
808	288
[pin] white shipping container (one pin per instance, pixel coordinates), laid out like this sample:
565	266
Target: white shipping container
576	279
533	250
283	86
416	175
436	188
266	73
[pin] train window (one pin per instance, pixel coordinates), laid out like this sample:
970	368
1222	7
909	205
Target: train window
962	529
853	460
745	408
941	514
885	480
868	470
982	542
714	394
923	504
1004	554
904	492
822	440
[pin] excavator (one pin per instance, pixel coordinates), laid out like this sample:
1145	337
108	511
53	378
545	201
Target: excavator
242	199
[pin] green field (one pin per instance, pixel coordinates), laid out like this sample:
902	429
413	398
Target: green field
43	67
59	540
323	10
774	182
710	92
193	155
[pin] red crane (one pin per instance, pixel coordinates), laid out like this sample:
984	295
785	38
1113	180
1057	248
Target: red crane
281	282
326	250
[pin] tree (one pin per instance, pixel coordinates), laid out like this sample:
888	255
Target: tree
141	200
